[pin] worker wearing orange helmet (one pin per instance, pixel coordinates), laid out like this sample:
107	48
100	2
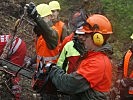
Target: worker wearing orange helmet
62	29
92	78
125	75
71	49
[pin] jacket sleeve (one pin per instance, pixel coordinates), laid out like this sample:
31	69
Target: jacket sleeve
62	61
49	34
64	32
68	83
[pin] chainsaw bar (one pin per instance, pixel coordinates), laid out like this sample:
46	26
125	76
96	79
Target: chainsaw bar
8	66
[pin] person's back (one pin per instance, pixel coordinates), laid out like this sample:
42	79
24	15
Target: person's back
66	39
16	55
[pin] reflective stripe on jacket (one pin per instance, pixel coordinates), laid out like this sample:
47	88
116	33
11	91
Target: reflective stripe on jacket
43	51
126	66
15	46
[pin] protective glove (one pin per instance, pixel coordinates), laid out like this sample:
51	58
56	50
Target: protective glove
45	68
31	10
49	66
28	64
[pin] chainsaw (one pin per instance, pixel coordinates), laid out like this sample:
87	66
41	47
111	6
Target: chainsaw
14	69
41	80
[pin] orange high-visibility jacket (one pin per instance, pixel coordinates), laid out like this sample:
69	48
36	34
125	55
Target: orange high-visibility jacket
59	26
97	70
126	66
43	51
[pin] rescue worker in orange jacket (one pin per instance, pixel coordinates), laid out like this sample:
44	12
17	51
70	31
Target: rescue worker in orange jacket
61	27
92	79
125	75
16	55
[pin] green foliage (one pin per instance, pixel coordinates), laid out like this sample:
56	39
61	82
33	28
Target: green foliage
121	14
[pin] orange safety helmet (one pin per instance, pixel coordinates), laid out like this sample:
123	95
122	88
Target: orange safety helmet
99	26
98	23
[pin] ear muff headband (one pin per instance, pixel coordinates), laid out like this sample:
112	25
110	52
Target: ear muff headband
98	39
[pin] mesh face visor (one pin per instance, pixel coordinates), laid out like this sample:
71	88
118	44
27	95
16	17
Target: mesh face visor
78	20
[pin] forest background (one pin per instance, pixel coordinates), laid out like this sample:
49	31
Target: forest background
119	12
